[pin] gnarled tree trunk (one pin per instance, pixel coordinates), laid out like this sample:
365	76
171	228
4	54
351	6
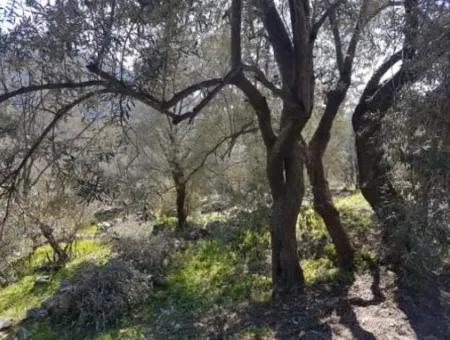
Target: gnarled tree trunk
323	204
286	182
376	186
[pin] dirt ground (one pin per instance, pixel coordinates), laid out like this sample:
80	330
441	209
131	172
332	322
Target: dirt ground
374	306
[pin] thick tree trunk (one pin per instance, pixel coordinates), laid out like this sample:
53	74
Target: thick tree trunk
377	188
323	204
286	181
181	205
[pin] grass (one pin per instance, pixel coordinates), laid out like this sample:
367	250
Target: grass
355	201
205	278
211	274
88	232
23	295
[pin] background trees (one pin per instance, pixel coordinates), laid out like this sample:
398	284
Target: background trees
187	61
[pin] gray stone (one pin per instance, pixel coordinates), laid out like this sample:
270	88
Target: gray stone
66	287
5	324
104	226
37	313
107	213
43	279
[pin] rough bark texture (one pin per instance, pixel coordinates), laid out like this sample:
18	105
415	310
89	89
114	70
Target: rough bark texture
286	180
377	98
376	186
323	204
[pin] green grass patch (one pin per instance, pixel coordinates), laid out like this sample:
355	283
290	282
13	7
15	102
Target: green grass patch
262	333
323	270
88	231
209	273
354	201
17	298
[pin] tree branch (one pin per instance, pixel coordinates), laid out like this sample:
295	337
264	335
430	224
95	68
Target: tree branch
60	114
245	129
317	25
56	86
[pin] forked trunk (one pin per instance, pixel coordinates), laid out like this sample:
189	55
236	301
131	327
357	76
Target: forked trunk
286	180
323	204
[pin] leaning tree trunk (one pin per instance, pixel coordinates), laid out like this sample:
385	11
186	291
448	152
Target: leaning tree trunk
376	186
47	232
323	204
286	182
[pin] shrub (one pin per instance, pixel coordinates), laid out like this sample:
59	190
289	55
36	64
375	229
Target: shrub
146	255
100	296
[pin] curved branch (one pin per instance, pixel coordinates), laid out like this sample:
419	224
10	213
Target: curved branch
177	97
245	129
318	24
60	114
56	86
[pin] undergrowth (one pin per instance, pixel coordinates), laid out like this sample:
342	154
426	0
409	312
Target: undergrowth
229	267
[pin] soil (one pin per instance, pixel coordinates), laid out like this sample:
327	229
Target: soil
373	306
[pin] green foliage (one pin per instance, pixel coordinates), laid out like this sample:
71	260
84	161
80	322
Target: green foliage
210	273
323	270
17	298
169	221
252	333
354	201
42	331
310	223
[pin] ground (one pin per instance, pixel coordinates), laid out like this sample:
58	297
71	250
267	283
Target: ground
215	284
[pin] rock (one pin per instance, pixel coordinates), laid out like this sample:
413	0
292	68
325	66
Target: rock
104	226
43	279
197	234
106	214
37	313
5	324
65	287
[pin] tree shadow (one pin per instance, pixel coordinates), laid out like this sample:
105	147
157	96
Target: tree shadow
343	303
426	304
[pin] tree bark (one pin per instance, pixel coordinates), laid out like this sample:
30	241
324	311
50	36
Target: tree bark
323	204
181	193
47	232
376	186
286	181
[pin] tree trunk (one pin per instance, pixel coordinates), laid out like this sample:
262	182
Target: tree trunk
286	181
377	188
47	232
323	204
181	205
